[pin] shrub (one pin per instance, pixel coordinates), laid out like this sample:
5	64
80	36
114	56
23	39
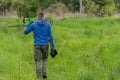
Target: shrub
57	9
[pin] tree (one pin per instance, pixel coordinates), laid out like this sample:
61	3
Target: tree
90	7
29	8
18	6
26	8
4	6
99	7
72	5
117	3
58	9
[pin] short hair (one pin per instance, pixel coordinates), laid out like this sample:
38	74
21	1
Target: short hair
41	14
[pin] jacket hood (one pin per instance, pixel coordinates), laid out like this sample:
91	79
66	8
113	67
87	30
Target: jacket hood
40	22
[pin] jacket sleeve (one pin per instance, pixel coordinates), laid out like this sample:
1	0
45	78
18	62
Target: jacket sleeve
51	38
28	29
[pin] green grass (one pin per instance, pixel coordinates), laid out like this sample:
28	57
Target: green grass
89	49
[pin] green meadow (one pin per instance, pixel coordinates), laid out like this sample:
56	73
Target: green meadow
88	49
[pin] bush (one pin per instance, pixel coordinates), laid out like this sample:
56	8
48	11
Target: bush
57	9
90	7
99	8
108	9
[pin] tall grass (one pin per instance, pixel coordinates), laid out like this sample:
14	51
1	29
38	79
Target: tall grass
89	49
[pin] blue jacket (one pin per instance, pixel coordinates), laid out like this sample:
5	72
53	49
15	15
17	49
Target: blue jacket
41	31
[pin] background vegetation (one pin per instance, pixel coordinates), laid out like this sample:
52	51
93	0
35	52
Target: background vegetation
29	8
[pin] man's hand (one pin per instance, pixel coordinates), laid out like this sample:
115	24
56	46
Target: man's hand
30	21
53	52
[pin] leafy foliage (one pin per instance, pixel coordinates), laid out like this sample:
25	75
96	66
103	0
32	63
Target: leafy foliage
57	9
5	5
29	8
100	7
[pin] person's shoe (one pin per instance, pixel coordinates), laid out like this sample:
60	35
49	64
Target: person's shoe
44	76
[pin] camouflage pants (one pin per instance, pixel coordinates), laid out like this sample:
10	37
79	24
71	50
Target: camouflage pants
41	59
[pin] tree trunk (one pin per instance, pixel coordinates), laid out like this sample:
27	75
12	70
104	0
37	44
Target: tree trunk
80	6
4	13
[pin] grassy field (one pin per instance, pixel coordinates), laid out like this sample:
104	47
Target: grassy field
89	49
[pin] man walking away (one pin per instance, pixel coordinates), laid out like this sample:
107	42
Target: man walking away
42	35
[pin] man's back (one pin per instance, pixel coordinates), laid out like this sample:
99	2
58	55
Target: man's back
41	30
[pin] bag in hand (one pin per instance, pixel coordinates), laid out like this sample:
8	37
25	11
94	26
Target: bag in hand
53	53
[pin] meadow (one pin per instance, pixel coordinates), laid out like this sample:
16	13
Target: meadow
88	49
